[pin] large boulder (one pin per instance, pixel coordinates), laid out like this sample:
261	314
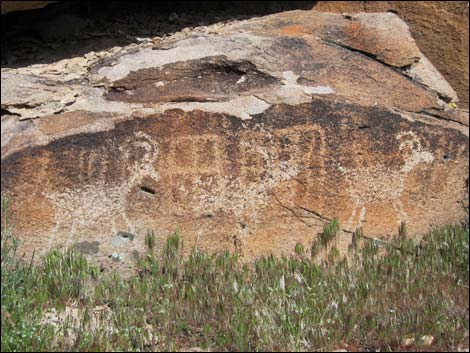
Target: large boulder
440	29
247	136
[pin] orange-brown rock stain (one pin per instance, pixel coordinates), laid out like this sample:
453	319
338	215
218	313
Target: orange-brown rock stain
294	31
260	185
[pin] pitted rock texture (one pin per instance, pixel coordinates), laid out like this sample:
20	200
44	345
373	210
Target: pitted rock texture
250	138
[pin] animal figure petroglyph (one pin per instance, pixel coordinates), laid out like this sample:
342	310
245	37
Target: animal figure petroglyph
380	184
98	202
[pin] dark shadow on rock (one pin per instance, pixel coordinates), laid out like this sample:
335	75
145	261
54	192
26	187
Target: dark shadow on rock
64	30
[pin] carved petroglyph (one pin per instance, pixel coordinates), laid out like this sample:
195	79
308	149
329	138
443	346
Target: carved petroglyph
388	184
410	142
194	166
264	159
257	184
96	201
194	155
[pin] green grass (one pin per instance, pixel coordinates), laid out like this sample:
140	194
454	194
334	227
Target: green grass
212	301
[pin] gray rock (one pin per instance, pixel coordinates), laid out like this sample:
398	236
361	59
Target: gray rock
122	238
89	248
117	257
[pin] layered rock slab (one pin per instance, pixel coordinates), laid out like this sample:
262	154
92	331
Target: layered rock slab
439	27
249	137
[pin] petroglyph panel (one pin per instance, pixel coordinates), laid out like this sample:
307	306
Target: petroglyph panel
222	182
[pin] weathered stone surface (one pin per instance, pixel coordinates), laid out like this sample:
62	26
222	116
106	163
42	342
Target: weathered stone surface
440	29
387	39
250	138
31	97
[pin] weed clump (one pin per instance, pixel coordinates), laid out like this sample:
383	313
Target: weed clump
212	301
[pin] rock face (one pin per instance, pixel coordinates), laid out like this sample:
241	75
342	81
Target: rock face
440	29
248	136
11	6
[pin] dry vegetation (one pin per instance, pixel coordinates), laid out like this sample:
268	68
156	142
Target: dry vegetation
384	299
